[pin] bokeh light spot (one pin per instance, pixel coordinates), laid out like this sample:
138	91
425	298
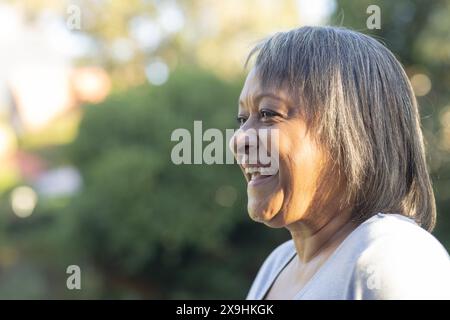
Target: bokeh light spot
23	201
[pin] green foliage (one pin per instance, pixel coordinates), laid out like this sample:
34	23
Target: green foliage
142	227
143	217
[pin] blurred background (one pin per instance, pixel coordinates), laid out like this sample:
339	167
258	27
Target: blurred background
90	92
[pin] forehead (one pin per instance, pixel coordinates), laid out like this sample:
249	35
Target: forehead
252	85
253	89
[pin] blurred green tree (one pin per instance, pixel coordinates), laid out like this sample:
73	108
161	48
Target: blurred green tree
143	227
177	231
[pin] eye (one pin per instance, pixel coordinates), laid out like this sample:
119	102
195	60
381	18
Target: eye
241	120
266	114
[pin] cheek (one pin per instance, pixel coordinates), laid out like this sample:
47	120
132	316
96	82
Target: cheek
298	154
300	165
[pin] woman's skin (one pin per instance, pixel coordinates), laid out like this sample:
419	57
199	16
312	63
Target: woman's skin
303	196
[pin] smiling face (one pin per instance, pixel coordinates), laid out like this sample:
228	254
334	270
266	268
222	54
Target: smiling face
290	195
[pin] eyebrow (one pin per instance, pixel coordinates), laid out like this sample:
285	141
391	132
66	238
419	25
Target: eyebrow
259	96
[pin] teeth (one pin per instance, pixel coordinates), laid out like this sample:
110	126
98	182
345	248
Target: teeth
260	170
252	170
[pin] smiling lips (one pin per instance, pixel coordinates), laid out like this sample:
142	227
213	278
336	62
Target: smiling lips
258	175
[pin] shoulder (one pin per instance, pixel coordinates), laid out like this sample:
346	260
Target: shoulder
400	260
276	260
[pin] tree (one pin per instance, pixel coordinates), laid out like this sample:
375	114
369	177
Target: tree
182	231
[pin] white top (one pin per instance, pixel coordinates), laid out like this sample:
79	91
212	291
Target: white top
386	257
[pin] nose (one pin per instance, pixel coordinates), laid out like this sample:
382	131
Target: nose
244	144
252	145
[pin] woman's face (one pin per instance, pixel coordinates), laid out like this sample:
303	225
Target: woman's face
287	196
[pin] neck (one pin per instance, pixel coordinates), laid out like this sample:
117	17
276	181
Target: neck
311	240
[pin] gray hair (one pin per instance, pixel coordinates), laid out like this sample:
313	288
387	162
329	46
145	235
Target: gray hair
358	101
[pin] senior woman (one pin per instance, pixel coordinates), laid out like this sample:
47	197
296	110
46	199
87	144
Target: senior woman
352	186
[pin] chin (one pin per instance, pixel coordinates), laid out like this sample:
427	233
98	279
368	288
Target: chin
268	212
278	221
280	216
